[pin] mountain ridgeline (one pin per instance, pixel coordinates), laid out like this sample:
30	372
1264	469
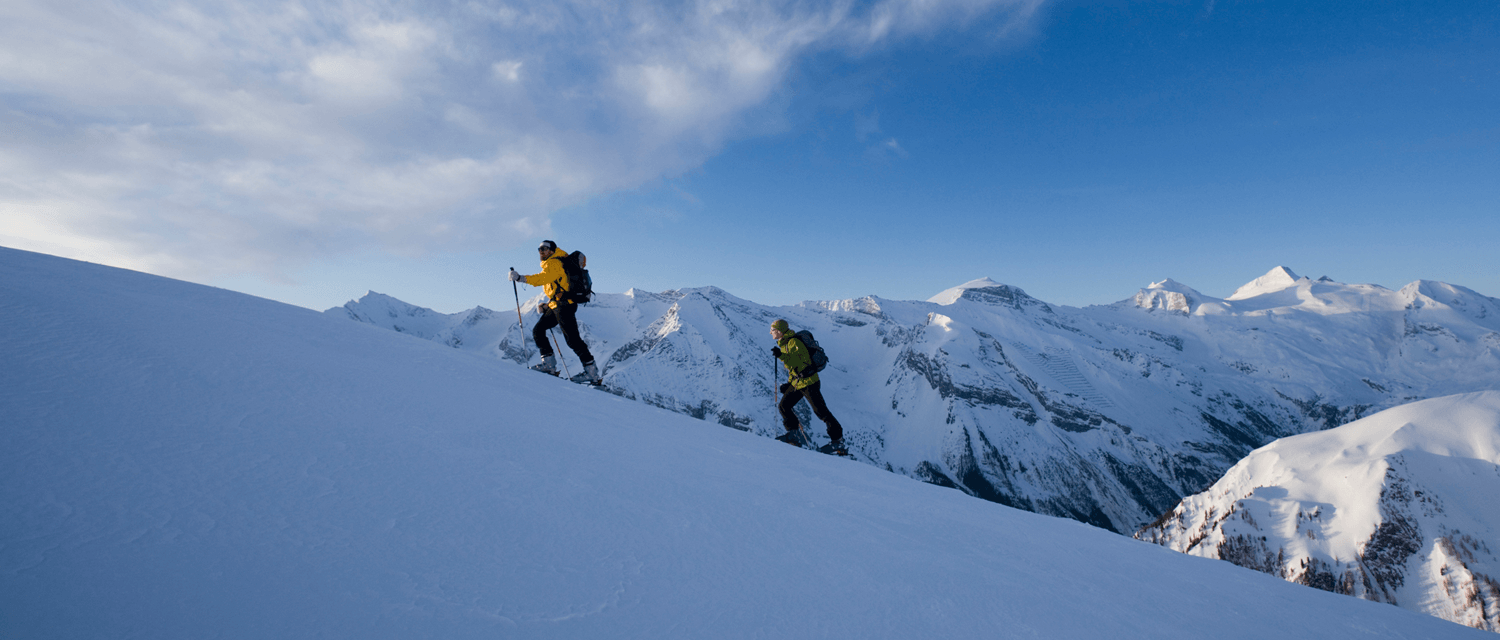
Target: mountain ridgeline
1107	414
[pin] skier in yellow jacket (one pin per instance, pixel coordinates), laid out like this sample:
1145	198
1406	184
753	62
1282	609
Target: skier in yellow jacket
558	311
803	383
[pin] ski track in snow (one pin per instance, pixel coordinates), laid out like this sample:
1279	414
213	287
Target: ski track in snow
1058	363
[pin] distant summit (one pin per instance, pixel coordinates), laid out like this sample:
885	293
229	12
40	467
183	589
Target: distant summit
1169	295
1275	280
1281	290
989	293
951	296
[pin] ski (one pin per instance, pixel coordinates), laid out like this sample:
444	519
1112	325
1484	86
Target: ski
794	438
842	452
577	379
800	439
583	378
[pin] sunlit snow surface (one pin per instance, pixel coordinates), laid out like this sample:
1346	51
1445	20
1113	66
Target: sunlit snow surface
1398	507
185	462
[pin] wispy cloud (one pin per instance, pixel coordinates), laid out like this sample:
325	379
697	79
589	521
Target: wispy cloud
197	139
866	127
891	147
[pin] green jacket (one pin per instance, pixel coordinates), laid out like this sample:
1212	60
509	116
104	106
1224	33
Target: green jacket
795	357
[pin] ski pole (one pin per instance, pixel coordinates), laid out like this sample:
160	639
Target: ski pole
558	349
560	354
556	346
521	324
776	382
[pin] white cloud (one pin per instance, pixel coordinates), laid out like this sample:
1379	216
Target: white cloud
199	140
354	79
508	70
891	146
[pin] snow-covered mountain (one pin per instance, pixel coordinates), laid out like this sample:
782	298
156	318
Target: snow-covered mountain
1398	507
186	462
1107	414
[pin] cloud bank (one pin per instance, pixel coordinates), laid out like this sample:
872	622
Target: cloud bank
204	139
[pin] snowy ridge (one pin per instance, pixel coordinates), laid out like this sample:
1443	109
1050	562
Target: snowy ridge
951	296
477	325
1397	507
188	462
1108	414
1278	279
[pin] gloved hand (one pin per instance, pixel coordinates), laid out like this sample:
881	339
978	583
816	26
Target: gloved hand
776	351
786	387
516	277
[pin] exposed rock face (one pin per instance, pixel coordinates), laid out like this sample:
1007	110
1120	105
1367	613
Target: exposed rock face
1169	295
1398	507
1107	414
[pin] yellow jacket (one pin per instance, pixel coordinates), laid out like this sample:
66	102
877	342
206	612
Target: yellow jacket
552	279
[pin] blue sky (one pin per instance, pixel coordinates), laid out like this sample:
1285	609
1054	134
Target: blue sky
783	151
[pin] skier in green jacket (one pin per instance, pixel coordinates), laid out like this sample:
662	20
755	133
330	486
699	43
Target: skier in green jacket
797	359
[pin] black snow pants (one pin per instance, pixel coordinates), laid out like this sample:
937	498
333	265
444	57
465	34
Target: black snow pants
814	395
565	316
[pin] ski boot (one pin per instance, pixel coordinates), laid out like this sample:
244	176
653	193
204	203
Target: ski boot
590	376
793	437
835	448
547	366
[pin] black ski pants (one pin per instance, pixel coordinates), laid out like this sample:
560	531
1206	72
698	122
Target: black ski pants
814	395
565	316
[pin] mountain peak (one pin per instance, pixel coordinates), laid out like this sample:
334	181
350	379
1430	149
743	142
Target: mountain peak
1168	294
1173	285
1275	280
952	295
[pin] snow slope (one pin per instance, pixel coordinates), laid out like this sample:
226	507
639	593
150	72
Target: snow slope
1109	414
185	462
1398	507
